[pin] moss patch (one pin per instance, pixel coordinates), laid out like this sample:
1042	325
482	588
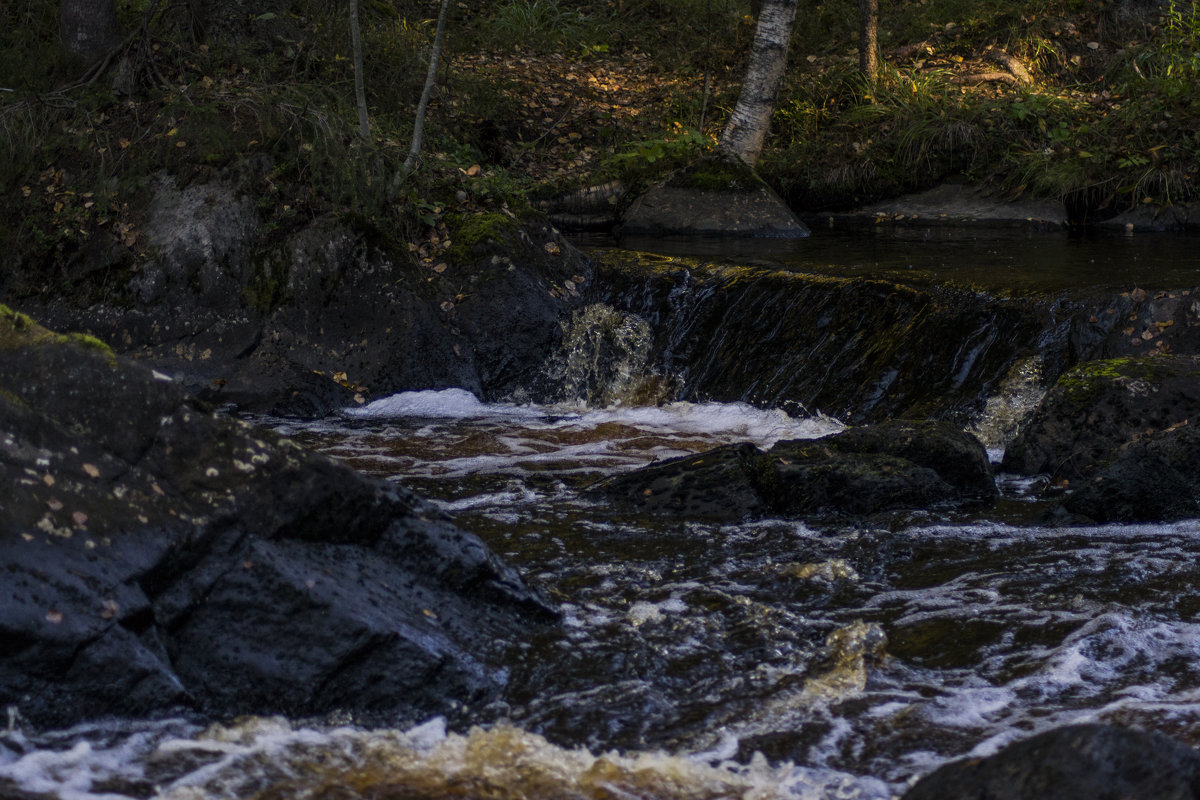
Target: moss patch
717	173
471	233
1083	383
19	330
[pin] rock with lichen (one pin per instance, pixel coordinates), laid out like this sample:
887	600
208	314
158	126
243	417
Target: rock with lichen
157	556
716	196
1099	406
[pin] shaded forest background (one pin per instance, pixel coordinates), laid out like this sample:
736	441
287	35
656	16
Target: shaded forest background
1094	103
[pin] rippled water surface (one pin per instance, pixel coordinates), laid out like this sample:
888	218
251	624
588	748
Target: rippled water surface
769	659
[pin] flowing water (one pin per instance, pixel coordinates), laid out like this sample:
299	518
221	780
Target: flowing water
756	660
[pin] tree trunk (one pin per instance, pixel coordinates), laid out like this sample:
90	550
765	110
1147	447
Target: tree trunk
88	28
868	39
747	127
360	91
430	78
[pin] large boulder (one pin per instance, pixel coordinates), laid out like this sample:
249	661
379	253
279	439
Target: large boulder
867	470
1099	406
1079	762
157	556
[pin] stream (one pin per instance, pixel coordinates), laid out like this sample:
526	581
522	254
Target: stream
759	660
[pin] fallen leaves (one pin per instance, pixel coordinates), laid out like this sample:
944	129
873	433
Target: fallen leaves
568	113
109	609
75	213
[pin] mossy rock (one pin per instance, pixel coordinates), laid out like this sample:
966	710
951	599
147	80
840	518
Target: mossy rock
473	235
1097	407
19	330
716	173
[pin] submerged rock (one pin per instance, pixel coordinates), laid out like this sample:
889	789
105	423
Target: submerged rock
157	556
1154	218
1080	762
954	204
875	468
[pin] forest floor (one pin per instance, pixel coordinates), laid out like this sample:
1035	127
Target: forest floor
1091	103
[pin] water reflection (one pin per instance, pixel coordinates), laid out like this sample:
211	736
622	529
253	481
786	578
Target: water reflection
996	260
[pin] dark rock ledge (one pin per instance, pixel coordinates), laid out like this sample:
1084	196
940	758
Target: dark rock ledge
156	556
860	471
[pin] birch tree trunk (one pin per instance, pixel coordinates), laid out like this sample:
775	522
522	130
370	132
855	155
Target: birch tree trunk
88	28
747	127
360	91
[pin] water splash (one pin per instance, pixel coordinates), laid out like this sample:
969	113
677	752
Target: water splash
1005	411
605	360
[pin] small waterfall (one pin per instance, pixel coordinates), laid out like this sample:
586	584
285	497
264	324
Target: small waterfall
605	360
1016	398
861	350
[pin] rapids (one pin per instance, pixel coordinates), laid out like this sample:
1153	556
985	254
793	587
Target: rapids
773	659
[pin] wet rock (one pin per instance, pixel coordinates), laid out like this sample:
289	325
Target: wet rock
247	315
958	458
1156	478
157	556
1097	407
860	350
1138	323
717	195
723	483
876	468
1080	762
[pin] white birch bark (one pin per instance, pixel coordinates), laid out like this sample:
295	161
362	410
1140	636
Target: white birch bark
747	127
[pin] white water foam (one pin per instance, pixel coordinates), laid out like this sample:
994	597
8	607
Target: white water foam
764	427
440	404
258	755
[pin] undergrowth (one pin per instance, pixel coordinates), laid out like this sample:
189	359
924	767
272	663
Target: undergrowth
262	94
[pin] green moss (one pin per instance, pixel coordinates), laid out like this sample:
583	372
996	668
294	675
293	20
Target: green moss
88	341
1083	383
717	173
19	330
470	233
